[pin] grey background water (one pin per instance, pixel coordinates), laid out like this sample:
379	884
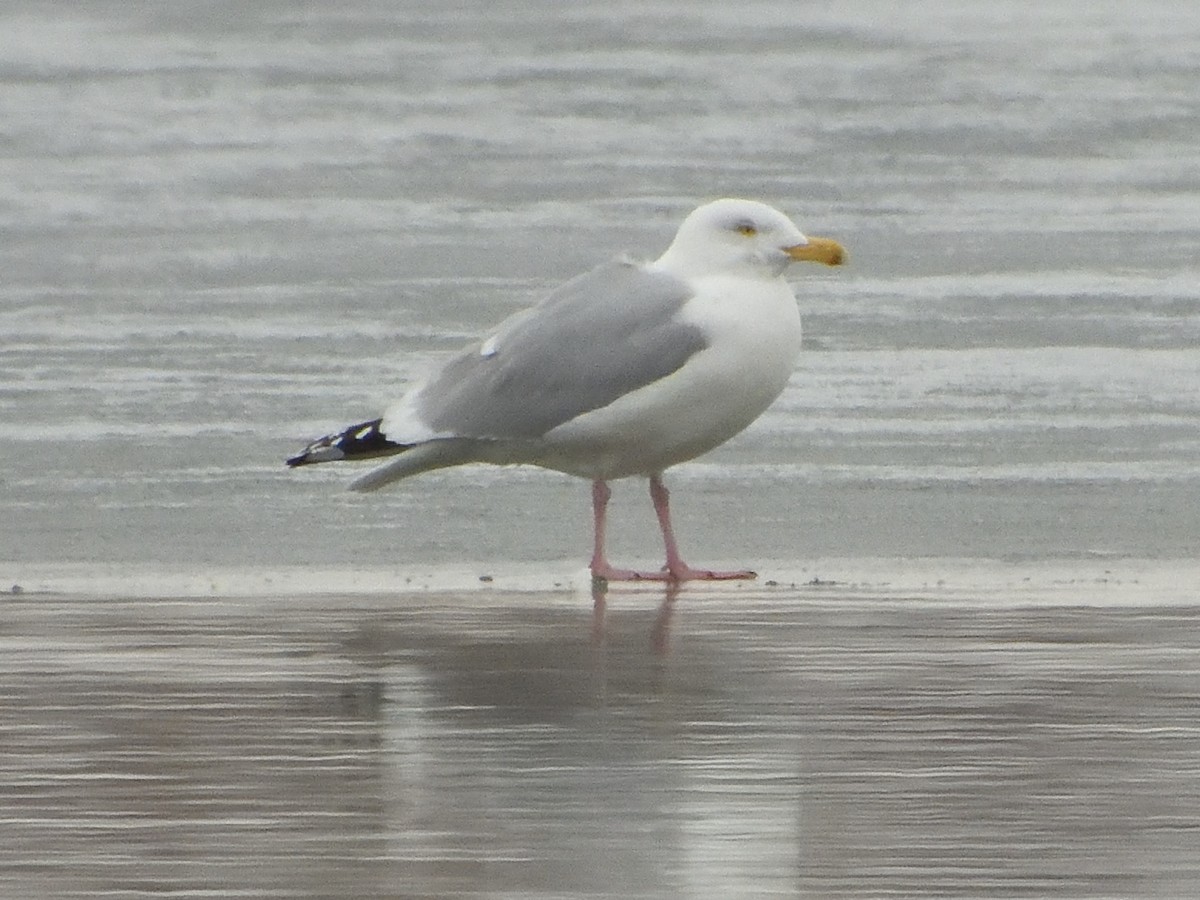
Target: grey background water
228	228
231	227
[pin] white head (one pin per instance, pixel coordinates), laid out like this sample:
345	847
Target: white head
742	236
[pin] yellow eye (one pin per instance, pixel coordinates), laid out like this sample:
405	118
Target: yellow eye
746	229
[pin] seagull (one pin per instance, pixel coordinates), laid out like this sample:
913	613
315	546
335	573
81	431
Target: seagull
623	371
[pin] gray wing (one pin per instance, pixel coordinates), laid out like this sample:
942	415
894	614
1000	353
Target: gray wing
602	335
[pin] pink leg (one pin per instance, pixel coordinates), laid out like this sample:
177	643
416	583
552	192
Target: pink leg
601	568
676	568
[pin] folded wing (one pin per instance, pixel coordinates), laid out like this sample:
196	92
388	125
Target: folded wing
598	337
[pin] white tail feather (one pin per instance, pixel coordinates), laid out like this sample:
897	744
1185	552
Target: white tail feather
421	458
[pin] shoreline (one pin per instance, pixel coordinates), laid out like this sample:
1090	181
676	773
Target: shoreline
988	582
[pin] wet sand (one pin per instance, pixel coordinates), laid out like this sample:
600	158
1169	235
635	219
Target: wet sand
995	730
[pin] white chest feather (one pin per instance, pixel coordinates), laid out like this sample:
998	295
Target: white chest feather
754	336
754	339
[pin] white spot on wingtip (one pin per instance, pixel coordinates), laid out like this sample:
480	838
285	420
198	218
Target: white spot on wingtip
490	347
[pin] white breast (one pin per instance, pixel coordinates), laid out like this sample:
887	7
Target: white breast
754	333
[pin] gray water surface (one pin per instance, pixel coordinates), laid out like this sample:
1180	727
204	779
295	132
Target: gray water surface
775	743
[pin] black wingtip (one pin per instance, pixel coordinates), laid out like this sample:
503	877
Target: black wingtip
362	441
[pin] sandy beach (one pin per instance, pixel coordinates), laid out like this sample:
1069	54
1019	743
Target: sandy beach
983	582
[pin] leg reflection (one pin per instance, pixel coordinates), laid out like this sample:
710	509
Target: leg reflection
599	606
660	636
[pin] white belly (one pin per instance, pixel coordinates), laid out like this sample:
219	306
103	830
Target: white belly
754	341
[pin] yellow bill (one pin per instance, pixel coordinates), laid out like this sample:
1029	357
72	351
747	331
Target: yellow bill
822	250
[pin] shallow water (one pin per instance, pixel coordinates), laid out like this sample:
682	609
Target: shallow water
229	228
794	742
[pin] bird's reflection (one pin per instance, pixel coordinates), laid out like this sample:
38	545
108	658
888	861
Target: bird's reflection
599	607
660	634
